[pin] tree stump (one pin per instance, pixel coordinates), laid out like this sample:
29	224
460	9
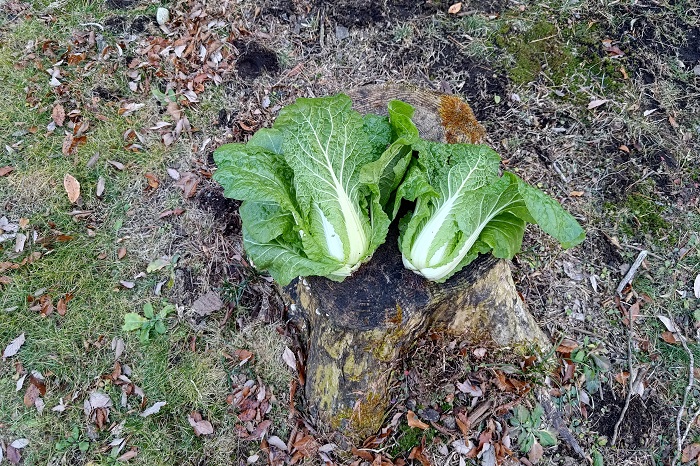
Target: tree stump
357	331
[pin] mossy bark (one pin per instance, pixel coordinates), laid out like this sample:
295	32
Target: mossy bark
359	330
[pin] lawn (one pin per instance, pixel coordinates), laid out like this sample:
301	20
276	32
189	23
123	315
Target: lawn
109	215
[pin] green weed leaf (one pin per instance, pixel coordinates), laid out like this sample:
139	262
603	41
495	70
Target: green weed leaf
546	438
133	321
148	310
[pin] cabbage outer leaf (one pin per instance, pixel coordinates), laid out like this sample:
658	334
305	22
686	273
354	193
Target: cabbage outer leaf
464	208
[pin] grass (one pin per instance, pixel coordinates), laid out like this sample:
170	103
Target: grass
73	352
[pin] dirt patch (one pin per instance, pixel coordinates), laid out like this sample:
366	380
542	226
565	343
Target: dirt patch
224	210
140	23
644	420
255	60
115	24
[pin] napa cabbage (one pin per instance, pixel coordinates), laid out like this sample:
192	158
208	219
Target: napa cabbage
318	187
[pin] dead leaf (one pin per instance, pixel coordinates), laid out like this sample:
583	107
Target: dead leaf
118	165
118	347
454	9
13	347
121	253
363	454
6	170
696	287
596	103
469	388
61	307
31	395
479	352
58	114
128	455
174	174
621	377
669	338
690	452
278	443
13	455
634	310
535	453
567	346
207	303
289	358
152	180
127	285
100	189
417	454
200	426
5	280
188	183
243	355
153	409
577	193
413	421
72	187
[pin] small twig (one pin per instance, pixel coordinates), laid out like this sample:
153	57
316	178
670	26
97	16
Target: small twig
631	272
630	367
630	331
691	381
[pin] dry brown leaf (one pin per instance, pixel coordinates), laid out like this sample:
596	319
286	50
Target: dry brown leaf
5	280
669	337
31	395
72	187
577	193
58	114
621	377
690	452
128	455
567	346
200	426
13	455
535	453
454	9
207	303
363	454
61	307
417	454
6	170
413	421
121	253
152	180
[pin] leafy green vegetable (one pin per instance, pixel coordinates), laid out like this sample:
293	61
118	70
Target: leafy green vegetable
463	208
317	186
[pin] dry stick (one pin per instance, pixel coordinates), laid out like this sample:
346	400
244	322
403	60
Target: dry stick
691	381
627	279
631	272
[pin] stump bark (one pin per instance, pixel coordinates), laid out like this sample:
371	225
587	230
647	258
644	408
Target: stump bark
357	331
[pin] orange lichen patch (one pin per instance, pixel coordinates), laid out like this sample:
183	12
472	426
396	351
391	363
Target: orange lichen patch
459	121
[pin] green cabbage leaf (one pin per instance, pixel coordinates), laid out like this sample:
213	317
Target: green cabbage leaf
463	208
319	186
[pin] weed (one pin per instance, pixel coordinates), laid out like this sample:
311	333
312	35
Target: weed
73	441
528	426
150	325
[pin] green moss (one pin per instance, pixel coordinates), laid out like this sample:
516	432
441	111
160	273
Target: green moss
364	420
570	58
642	215
409	437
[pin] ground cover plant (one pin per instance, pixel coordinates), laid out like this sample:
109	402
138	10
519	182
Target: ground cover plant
108	124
